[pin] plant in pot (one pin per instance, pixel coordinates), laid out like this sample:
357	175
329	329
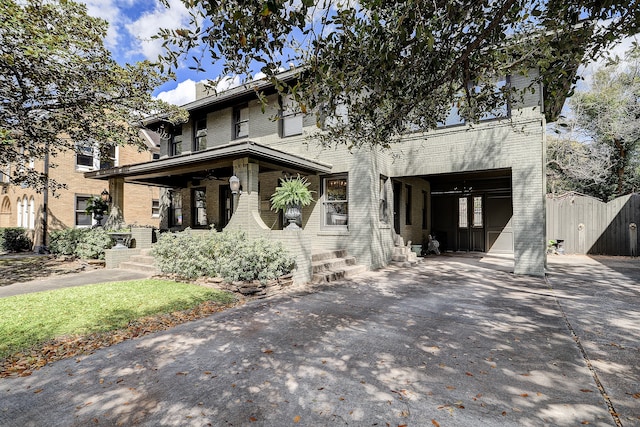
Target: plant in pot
290	196
97	206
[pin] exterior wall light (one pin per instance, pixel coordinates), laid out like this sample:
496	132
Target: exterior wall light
234	185
105	196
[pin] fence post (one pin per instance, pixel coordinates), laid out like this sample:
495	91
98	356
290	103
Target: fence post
633	239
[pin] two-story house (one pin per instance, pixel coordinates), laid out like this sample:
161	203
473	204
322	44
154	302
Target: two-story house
24	207
477	188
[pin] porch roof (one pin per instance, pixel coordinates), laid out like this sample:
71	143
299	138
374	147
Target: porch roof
177	170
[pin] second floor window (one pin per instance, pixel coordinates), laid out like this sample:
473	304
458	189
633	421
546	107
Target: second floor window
175	144
92	156
290	118
84	155
241	122
200	136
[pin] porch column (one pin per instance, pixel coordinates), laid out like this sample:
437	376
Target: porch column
116	211
247	211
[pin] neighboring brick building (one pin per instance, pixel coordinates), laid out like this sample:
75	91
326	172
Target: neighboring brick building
23	207
478	188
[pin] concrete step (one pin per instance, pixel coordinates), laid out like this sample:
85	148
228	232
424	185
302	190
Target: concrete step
324	255
142	259
130	265
332	264
333	275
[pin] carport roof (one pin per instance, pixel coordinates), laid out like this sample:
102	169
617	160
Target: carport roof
169	171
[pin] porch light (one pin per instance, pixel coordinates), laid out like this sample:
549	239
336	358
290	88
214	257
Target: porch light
105	196
234	185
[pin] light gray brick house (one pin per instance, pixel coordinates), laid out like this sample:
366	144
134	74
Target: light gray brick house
476	188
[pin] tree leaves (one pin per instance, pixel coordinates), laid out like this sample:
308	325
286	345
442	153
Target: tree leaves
60	86
379	69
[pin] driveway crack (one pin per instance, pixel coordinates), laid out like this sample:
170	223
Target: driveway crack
585	356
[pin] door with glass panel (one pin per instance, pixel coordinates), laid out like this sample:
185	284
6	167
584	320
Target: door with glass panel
471	223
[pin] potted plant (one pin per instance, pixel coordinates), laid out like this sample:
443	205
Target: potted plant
97	206
290	196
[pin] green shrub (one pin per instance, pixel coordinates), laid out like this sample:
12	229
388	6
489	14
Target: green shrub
185	254
230	255
93	244
64	242
13	239
87	243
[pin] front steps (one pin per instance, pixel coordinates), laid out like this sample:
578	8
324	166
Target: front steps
329	266
143	262
403	256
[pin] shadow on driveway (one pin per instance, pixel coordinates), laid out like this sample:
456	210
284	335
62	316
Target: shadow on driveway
450	342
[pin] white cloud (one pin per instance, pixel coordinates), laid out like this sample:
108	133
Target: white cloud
149	23
587	71
110	12
184	93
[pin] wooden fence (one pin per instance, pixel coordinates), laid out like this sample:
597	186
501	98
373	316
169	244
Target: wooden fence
589	226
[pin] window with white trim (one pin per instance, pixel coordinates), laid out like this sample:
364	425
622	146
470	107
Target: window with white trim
155	208
93	157
19	210
82	218
32	213
336	201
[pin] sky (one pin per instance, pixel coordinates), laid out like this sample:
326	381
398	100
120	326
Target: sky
133	22
131	25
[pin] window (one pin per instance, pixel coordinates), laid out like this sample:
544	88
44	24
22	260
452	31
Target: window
90	156
463	215
175	209
336	205
19	207
454	118
384	201
25	212
175	144
83	219
155	208
408	207
199	207
291	117
5	174
200	136
424	210
240	122
84	155
32	214
108	157
477	211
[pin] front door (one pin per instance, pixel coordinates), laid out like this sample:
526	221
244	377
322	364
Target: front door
226	206
471	223
397	197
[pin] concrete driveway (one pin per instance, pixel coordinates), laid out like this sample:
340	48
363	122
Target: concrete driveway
455	341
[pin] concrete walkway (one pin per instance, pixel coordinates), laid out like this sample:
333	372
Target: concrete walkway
70	280
455	341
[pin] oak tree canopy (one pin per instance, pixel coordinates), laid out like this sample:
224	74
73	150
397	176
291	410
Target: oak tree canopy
400	65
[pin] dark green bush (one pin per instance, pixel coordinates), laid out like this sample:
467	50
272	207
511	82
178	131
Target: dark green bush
87	243
64	242
13	239
230	255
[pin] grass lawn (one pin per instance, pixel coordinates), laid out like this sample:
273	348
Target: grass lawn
32	319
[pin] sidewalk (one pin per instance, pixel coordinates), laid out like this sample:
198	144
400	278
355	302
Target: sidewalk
72	279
